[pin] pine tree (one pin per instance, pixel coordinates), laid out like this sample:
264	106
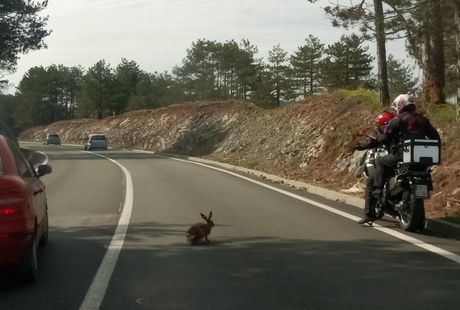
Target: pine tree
348	64
21	30
34	106
247	68
278	71
263	89
213	70
306	66
199	72
401	79
127	75
423	26
96	96
370	16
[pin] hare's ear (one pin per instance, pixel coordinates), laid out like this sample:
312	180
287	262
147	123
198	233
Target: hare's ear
203	216
210	214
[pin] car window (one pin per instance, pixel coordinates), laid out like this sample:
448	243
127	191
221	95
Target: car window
24	168
98	138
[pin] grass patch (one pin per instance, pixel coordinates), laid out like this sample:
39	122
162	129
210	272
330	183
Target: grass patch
368	98
443	113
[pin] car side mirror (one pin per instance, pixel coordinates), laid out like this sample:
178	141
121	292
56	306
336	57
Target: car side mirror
44	170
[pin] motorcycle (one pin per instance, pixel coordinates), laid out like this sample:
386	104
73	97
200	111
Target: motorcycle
409	185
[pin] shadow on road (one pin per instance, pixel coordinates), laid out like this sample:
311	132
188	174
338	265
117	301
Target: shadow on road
247	273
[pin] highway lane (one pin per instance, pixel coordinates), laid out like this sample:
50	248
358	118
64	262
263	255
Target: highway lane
267	251
84	195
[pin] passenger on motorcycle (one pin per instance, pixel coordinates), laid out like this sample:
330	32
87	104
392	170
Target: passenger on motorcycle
371	143
407	124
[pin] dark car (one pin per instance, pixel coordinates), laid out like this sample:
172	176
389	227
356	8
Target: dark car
23	210
53	139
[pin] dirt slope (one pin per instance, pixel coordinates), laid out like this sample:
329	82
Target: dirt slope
307	141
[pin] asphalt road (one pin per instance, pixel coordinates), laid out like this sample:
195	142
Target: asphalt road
267	251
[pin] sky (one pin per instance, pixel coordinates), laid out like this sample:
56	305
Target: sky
157	33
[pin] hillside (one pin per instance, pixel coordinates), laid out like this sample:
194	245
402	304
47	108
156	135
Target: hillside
310	141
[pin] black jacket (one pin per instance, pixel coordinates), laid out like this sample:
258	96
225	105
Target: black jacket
407	125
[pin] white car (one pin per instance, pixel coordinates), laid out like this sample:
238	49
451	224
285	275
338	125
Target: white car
95	141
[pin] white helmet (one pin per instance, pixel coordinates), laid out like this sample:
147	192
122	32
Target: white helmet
401	102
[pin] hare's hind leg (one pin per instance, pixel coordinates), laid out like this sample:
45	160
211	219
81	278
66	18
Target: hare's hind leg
195	240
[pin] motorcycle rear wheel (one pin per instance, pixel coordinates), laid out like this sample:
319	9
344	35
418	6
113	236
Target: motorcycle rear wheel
378	208
412	216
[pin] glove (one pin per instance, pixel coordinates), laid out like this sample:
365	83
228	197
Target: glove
361	146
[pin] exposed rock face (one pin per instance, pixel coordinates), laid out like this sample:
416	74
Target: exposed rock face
308	141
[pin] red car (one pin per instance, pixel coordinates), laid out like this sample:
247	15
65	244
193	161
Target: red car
23	210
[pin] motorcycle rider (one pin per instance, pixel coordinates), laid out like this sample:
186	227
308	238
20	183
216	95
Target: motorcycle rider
382	120
407	124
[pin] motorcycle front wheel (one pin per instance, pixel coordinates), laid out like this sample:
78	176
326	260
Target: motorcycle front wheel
412	215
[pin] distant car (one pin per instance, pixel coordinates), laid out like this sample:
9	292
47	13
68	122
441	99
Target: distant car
23	210
96	141
53	139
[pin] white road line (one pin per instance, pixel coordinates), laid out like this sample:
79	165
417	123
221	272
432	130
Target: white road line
98	288
419	243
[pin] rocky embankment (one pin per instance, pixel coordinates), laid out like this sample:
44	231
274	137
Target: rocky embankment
306	141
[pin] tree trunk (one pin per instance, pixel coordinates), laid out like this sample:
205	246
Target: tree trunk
381	52
437	44
278	95
427	66
457	36
433	62
305	82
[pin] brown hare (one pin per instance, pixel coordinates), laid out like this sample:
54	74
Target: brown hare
200	230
